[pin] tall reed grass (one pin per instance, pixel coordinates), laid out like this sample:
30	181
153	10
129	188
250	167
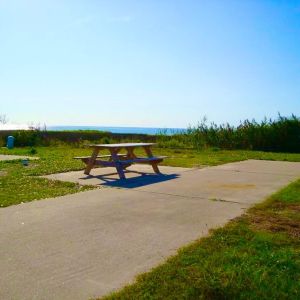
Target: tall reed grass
280	135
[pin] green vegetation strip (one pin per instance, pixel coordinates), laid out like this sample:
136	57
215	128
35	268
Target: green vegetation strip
256	256
22	184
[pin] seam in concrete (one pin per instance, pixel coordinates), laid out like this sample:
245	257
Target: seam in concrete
252	172
182	196
186	169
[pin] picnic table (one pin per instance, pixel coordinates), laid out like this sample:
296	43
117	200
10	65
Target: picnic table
120	160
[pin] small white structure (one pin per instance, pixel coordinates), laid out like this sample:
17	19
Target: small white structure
14	127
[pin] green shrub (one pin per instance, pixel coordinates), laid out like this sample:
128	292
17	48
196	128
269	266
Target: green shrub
27	138
105	140
280	135
171	143
32	151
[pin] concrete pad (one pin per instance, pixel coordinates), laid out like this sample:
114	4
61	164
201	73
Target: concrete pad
214	183
4	157
242	182
88	244
137	175
263	166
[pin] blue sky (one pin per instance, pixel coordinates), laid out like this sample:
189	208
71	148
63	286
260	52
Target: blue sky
148	63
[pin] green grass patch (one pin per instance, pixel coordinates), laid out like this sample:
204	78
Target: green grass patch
17	186
246	259
192	158
21	184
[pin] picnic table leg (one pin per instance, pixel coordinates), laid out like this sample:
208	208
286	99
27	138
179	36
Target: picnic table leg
116	152
130	153
91	162
153	164
115	159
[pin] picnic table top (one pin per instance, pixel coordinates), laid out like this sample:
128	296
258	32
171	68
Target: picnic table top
121	145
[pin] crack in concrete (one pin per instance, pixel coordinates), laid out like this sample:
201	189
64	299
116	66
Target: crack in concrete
252	172
191	197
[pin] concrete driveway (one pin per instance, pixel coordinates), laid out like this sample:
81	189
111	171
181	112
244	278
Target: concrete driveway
88	244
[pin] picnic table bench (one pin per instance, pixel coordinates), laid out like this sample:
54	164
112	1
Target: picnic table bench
120	160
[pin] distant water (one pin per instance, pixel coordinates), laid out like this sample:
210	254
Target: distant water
138	130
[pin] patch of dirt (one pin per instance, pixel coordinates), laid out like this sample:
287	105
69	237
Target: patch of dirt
284	205
3	173
294	207
31	166
197	166
277	223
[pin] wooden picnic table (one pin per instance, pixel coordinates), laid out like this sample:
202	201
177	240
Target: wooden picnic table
118	160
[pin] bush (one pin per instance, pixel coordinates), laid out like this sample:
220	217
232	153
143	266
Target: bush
77	138
27	138
282	134
32	151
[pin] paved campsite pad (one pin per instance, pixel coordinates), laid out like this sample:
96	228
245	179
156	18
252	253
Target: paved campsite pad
4	157
87	244
137	175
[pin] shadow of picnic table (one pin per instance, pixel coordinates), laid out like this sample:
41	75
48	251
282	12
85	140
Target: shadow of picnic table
132	182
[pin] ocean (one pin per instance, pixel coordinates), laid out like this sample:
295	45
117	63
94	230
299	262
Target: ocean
137	130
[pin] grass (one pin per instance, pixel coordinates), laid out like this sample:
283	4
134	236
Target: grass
255	256
16	187
21	184
192	158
